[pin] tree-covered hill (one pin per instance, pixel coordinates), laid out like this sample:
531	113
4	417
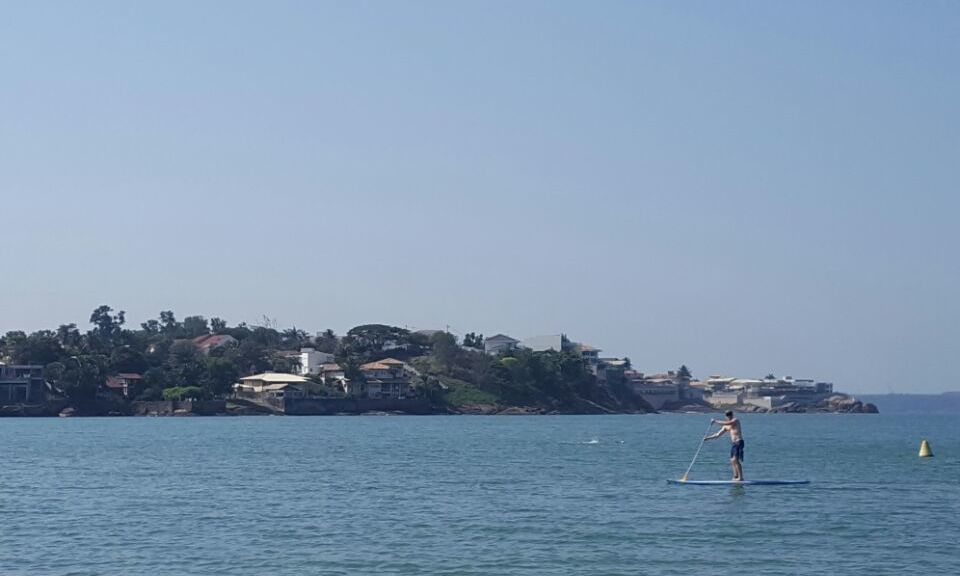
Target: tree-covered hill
452	375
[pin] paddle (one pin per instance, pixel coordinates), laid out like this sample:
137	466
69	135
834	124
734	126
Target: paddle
703	438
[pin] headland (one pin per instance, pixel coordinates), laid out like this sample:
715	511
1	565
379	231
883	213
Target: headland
207	367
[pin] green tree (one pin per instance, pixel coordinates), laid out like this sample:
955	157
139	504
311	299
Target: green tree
154	381
266	337
107	326
294	339
414	344
83	376
445	351
69	337
221	374
54	371
370	339
218	325
241	332
184	366
472	340
251	357
10	343
286	365
351	369
326	341
185	392
41	347
169	324
128	359
194	326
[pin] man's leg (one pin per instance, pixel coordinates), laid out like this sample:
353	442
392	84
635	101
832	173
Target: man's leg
738	468
735	465
740	460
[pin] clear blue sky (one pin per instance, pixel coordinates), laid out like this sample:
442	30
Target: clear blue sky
743	187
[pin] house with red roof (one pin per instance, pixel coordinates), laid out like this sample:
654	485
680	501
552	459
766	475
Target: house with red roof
388	378
123	384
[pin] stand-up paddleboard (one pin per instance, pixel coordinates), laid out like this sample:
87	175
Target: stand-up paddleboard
738	482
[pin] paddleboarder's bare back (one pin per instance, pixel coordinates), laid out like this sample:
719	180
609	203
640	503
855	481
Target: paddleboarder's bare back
732	426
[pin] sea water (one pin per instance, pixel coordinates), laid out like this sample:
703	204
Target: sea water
472	495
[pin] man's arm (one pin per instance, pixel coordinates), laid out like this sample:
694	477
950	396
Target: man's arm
717	435
723	422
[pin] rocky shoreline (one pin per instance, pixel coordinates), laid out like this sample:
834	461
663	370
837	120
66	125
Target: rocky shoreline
837	404
845	406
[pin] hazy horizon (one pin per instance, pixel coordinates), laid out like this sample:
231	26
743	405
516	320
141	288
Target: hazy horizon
745	188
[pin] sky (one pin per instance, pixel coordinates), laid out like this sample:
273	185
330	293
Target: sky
742	187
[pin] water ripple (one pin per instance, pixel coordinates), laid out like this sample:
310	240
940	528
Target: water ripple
472	496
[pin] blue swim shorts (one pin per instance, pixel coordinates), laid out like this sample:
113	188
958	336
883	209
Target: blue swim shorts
736	450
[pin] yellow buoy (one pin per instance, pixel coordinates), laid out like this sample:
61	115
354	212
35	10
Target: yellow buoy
925	451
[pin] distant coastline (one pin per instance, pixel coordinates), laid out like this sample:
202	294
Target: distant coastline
201	366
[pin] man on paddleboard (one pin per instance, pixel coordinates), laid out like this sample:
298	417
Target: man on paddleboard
732	426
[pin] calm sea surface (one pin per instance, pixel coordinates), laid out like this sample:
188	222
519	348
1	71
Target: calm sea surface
475	495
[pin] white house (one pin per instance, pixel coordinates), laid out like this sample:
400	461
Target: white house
312	360
500	343
267	383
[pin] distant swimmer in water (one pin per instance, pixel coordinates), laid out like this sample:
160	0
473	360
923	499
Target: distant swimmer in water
732	425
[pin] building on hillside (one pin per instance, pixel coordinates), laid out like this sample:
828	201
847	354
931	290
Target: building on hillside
770	392
331	373
590	355
723	398
588	352
611	369
210	342
394	345
499	343
663	386
714	383
21	384
698	390
621	363
656	393
123	384
334	376
312	360
274	385
283	390
387	378
773	392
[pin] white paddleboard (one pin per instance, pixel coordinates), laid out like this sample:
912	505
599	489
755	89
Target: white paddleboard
737	482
